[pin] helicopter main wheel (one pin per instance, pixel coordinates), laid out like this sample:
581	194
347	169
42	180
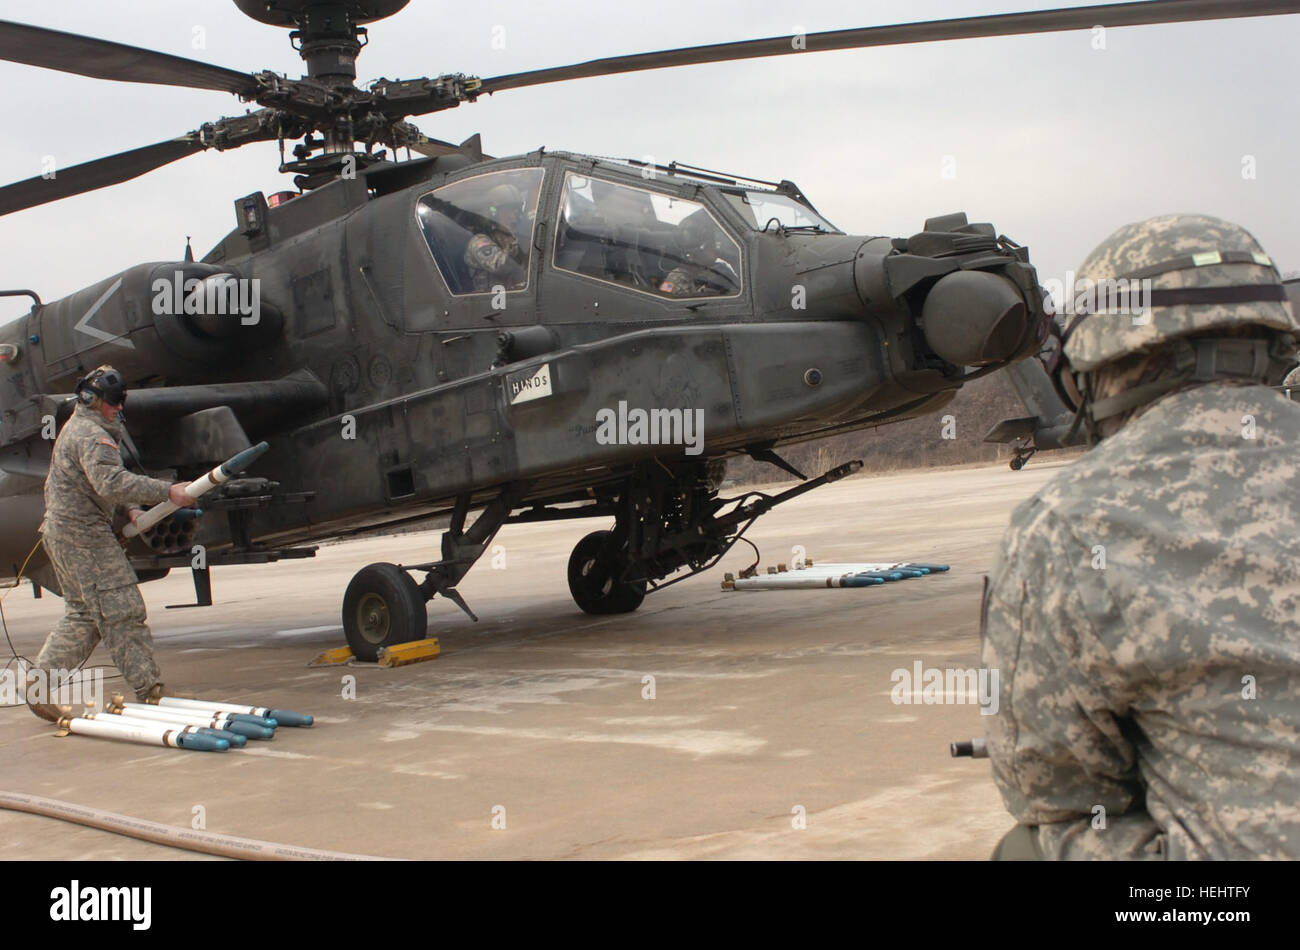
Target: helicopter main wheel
593	579
383	606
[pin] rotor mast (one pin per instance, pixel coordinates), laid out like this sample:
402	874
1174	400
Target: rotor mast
328	35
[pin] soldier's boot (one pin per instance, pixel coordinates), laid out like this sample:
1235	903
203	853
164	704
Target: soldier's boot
157	691
47	711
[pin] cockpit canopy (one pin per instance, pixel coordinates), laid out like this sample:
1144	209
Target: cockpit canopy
767	210
652	242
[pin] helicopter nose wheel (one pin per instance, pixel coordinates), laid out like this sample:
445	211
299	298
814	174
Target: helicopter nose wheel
593	578
383	606
1023	455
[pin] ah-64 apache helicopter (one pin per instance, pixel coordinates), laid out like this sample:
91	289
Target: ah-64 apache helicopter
545	336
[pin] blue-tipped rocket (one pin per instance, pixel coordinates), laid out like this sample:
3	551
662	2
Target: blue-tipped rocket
884	575
201	742
287	717
222	473
145	733
860	580
284	717
226	722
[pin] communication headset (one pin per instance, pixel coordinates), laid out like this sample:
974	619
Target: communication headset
105	383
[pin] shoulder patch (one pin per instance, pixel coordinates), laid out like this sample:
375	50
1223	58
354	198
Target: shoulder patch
109	442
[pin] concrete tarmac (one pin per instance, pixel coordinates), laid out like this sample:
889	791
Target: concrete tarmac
771	733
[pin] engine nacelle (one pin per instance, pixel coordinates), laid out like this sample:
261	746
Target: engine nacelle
152	320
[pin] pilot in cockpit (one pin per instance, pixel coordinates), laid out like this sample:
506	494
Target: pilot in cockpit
493	255
700	270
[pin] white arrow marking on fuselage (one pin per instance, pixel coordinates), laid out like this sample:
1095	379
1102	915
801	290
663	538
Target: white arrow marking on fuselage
84	323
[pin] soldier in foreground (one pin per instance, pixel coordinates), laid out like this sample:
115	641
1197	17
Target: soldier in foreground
1144	611
100	594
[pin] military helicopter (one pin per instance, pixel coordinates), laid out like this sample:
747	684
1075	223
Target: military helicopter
540	337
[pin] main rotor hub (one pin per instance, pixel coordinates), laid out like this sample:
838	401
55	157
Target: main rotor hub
328	33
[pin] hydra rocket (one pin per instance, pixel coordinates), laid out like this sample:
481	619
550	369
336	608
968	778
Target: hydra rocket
222	473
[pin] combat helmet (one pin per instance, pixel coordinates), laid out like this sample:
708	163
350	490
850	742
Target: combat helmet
103	382
504	197
1152	284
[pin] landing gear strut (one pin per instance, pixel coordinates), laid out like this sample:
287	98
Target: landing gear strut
384	606
667	520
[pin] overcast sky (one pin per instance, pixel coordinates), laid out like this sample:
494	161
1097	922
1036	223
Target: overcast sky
1056	142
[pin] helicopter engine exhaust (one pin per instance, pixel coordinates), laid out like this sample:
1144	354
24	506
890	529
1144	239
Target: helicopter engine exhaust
974	318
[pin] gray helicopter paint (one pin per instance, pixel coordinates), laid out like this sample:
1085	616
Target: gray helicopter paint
367	315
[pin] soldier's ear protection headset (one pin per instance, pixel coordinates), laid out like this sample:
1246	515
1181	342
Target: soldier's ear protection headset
105	383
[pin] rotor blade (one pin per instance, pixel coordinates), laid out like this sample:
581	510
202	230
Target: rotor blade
101	59
100	173
1007	24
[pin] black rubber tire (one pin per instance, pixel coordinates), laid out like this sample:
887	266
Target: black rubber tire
382	606
594	590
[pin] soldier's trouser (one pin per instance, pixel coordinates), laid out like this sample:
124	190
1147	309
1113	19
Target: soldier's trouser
114	613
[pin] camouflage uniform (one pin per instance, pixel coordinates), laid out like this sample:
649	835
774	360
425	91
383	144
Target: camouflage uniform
691	280
101	599
493	264
687	282
1144	615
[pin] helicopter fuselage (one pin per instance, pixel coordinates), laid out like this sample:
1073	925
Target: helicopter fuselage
387	395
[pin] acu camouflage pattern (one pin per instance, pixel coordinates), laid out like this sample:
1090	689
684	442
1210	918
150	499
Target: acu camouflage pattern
686	282
1102	337
86	482
491	263
1123	687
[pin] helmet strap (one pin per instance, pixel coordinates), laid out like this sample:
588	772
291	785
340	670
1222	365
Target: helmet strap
1196	361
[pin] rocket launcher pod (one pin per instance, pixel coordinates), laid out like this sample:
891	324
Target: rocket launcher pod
284	717
222	473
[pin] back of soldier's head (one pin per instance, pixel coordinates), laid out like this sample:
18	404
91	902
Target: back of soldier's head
1173	301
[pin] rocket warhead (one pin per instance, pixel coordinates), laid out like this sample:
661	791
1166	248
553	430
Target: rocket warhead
287	718
250	730
238	463
202	743
861	580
